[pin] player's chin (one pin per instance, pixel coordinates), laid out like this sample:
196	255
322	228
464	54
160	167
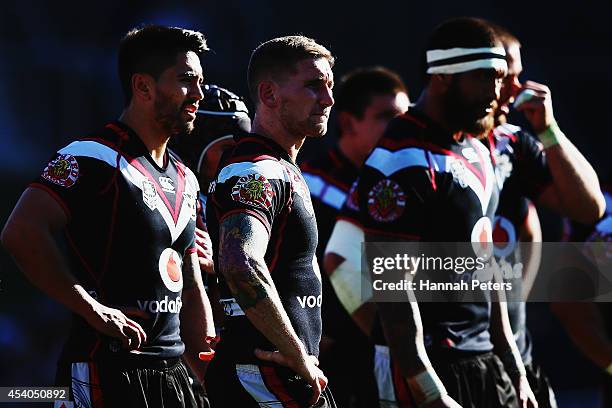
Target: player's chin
482	126
317	129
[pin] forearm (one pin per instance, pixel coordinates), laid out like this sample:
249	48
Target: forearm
38	256
585	326
196	325
575	181
241	260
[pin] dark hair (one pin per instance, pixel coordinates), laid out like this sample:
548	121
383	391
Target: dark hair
461	32
276	58
357	88
505	36
152	49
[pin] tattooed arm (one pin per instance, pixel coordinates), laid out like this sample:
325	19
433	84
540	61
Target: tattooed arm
243	240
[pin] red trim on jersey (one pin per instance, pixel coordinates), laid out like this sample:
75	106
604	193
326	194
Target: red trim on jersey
83	261
306	168
181	181
251	158
53	195
502	132
95	388
249	212
395	145
95	347
402	392
122	133
191	250
274	383
175	212
392	234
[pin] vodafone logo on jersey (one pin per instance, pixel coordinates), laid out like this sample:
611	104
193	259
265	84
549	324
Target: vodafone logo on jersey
170	269
504	236
482	237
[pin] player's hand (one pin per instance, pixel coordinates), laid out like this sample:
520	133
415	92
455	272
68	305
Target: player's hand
205	253
538	107
306	367
525	395
445	401
115	323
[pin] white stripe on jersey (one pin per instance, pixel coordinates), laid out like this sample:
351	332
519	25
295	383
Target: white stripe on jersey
270	169
388	162
251	379
327	193
99	151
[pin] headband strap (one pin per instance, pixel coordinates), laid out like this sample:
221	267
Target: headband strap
457	60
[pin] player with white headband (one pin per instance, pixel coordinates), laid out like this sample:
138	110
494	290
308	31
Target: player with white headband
431	179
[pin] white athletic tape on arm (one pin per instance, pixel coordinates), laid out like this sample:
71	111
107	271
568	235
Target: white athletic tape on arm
345	240
426	387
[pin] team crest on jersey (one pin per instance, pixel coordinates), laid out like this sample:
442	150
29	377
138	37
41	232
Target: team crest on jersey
63	170
458	171
170	269
386	201
504	236
253	189
149	194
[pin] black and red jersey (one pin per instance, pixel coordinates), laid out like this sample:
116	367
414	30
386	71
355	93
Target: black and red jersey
259	178
329	178
521	162
130	223
418	184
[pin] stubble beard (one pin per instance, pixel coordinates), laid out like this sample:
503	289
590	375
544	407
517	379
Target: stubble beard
169	117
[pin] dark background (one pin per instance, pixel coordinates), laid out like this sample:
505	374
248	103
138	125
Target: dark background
58	81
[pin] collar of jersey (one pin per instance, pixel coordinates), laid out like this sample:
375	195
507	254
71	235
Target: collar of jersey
131	138
266	142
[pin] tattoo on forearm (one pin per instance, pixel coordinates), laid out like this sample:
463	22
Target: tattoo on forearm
242	246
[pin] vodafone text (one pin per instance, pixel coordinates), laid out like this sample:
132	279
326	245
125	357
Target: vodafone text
161	306
310	301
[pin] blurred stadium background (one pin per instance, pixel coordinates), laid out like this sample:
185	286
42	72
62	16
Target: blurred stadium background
58	81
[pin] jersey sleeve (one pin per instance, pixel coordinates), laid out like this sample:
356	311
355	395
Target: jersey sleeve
532	168
72	177
261	189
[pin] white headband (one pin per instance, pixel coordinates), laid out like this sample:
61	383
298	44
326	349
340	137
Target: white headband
457	60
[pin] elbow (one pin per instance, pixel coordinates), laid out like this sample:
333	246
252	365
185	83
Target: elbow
592	213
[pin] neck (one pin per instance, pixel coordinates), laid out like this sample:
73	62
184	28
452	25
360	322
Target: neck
349	151
272	129
154	138
432	107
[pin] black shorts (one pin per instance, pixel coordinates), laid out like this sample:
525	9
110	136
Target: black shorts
540	386
158	383
231	385
475	380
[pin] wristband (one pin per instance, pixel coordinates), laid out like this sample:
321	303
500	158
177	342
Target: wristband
512	368
425	388
551	135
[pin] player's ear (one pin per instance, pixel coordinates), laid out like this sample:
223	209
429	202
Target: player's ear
441	81
267	92
143	86
345	123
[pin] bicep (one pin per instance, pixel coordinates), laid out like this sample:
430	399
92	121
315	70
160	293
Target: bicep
243	241
36	208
